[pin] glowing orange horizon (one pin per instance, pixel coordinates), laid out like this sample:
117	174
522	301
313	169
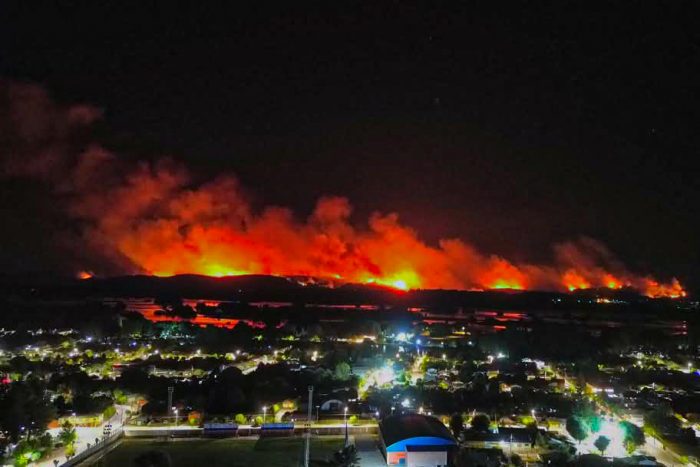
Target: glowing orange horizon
408	280
164	226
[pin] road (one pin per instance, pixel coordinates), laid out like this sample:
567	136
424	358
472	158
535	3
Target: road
654	447
86	435
368	452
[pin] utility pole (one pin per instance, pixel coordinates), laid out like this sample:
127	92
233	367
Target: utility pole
345	420
307	448
170	400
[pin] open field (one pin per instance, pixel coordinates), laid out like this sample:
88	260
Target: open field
231	452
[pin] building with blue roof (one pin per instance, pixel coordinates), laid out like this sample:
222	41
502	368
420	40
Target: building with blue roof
415	440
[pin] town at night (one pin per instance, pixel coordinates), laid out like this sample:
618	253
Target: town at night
349	234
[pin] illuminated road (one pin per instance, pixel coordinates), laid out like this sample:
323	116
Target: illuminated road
652	447
86	435
368	452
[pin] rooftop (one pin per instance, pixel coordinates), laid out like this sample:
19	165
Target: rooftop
396	428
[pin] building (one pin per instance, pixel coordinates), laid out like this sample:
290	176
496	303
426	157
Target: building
503	437
414	440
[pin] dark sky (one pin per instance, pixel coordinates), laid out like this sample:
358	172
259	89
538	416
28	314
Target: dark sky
512	126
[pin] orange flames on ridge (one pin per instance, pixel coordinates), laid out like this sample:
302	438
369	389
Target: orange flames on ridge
168	227
84	275
153	218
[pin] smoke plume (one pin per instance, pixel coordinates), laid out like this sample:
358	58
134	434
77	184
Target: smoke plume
152	217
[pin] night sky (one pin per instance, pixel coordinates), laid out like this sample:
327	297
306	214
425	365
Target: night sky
512	126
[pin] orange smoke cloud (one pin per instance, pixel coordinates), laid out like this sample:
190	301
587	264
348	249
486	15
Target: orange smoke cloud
152	218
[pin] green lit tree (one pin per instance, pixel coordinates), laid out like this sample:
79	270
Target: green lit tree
67	435
32	449
577	428
634	436
602	443
342	371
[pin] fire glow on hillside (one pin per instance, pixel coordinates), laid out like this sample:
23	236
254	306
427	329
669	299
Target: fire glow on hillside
152	217
171	228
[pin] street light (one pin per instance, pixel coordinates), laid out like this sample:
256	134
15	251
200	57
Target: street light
345	419
511	445
176	415
264	413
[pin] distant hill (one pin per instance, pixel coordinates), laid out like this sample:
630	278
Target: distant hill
255	288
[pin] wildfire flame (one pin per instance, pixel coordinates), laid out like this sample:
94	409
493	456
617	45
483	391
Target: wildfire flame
152	217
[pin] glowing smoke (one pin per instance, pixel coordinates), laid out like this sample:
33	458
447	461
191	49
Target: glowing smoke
150	217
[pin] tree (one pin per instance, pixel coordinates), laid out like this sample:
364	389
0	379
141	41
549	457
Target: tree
602	443
634	436
577	428
456	424
516	460
25	453
25	409
194	417
109	412
342	371
119	397
481	422
240	419
67	435
31	450
662	421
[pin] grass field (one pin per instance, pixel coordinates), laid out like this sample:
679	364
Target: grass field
232	452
